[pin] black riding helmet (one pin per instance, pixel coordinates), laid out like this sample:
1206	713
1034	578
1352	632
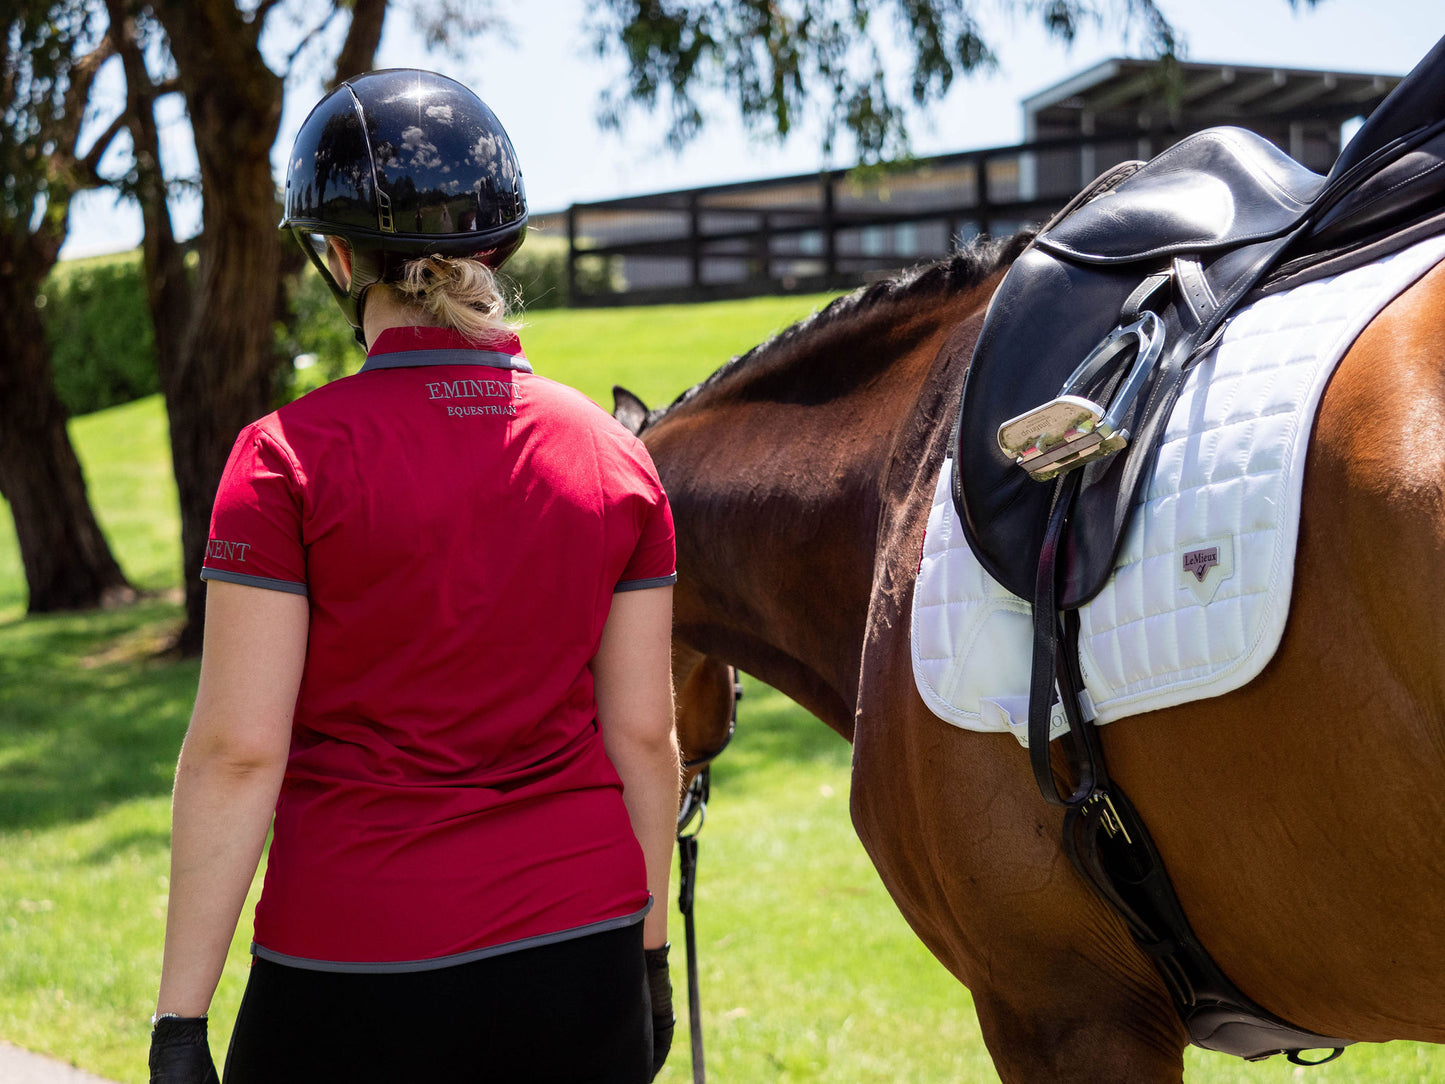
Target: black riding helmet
400	164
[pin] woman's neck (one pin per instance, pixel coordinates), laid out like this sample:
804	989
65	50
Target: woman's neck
385	309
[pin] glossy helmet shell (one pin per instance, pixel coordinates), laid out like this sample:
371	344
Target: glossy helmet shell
402	163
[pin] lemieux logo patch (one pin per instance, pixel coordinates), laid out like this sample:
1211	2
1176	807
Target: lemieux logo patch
1199	562
1203	566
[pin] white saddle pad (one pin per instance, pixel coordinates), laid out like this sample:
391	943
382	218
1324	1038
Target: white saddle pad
1201	589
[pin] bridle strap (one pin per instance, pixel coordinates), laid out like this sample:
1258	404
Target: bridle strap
694	807
707	758
687	862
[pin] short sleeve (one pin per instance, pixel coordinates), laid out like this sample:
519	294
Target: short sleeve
653	562
255	534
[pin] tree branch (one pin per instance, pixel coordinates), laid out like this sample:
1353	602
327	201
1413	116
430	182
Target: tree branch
258	17
358	52
309	38
82	76
139	117
87	168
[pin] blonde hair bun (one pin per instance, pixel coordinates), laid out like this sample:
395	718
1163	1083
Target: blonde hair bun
457	292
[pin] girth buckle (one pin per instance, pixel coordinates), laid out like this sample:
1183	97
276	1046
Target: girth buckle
1071	430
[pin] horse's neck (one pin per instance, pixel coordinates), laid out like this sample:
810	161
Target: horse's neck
779	499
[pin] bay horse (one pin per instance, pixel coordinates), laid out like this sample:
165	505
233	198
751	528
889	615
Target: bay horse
1300	817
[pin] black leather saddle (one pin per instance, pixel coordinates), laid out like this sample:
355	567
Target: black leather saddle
1085	348
1185	238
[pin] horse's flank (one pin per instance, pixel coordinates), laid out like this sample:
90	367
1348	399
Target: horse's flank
1298	817
1317	789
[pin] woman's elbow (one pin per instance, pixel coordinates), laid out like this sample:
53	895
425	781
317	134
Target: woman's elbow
650	739
234	752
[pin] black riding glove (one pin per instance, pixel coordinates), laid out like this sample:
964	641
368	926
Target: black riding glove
659	987
180	1053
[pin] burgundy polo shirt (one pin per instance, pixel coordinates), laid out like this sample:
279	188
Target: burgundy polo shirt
459	526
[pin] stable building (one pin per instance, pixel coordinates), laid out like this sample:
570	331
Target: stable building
832	230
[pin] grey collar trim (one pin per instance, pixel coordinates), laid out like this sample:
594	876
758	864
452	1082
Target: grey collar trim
407	359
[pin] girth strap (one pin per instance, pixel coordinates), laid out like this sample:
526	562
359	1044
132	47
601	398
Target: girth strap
1107	842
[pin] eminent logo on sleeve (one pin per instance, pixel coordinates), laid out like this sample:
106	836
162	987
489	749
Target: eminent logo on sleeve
227	551
475	389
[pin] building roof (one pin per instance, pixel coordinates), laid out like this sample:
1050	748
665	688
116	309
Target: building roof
1138	95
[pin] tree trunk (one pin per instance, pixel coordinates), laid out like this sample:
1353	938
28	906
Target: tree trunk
169	298
359	50
223	377
68	564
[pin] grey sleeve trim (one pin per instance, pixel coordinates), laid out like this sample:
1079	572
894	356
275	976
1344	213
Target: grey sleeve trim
638	585
254	581
394	967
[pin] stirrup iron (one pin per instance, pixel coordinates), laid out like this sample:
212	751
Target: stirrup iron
1071	430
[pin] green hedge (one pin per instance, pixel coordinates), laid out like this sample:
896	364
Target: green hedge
102	344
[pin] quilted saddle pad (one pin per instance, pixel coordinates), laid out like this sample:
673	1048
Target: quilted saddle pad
1200	592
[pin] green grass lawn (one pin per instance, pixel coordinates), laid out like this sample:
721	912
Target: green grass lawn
808	971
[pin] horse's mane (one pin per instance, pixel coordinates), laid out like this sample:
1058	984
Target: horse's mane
965	269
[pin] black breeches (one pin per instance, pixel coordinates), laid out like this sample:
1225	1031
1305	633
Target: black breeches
573	1012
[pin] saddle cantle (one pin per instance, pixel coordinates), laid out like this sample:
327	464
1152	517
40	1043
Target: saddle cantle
1083	353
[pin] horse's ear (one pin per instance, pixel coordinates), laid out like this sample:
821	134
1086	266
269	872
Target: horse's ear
628	409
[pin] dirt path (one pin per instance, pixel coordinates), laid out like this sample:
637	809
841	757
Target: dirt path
22	1067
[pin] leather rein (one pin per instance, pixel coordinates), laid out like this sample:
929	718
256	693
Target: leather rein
691	816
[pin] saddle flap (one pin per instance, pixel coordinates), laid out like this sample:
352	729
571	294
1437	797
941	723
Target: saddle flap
1221	188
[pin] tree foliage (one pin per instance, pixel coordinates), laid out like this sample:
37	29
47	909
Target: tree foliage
52	52
781	60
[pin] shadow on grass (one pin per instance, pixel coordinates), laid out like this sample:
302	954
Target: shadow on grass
139	842
89	716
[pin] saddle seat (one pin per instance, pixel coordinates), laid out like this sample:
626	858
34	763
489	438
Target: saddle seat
1221	188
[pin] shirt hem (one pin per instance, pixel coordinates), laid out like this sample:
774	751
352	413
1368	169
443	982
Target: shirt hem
638	585
290	586
399	966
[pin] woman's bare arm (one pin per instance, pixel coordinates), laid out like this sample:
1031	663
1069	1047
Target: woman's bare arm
633	675
227	780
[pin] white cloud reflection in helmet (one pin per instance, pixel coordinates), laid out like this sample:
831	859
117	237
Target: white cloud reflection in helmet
423	153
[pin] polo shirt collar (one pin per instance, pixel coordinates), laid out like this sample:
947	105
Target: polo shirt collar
405	347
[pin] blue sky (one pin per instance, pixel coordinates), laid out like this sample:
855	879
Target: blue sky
544	85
